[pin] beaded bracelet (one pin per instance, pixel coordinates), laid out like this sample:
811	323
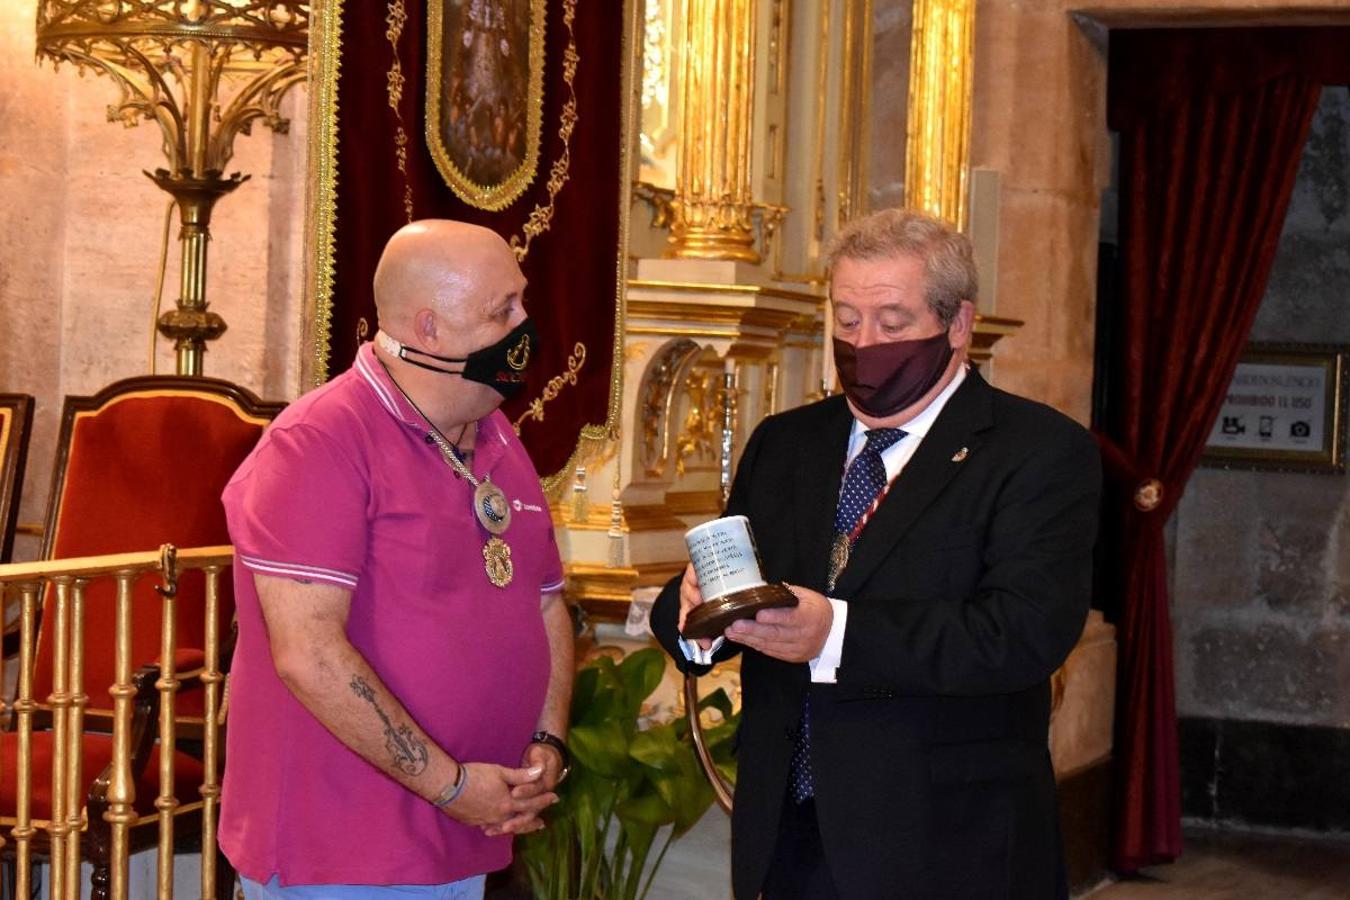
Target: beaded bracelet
452	791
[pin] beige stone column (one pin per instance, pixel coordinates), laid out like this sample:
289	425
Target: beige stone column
713	208
937	145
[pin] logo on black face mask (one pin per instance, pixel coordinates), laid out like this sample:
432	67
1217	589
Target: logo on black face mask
500	366
519	357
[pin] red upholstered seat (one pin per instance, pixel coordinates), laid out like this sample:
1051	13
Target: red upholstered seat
145	463
16	417
97	754
141	464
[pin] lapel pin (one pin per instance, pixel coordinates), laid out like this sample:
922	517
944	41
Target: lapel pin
960	455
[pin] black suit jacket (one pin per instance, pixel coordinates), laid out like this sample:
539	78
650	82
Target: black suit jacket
966	590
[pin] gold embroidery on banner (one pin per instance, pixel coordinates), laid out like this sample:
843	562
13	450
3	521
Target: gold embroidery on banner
541	217
501	194
325	63
555	386
401	150
595	440
396	18
396	81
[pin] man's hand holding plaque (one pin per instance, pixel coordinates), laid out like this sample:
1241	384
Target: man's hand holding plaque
723	584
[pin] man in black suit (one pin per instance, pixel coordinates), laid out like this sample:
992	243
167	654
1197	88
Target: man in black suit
938	535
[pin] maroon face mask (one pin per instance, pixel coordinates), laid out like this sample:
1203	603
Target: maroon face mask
882	379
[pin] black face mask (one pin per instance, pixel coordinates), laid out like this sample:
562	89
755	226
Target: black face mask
500	366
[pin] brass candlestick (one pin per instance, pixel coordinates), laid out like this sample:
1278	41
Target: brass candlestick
204	71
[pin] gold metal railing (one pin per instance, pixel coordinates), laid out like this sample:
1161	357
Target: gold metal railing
67	581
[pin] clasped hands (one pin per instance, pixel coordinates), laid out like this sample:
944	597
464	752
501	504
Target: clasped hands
500	800
795	634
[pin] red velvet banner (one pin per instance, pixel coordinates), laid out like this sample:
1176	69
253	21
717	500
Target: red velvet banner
526	135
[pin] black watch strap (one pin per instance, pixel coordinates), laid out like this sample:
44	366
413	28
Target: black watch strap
552	740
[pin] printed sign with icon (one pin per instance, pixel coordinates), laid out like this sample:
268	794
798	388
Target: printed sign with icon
1284	409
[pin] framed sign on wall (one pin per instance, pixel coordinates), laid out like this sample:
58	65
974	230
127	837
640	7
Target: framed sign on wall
1285	411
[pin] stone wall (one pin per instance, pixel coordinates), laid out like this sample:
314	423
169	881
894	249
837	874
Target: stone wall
80	230
1261	598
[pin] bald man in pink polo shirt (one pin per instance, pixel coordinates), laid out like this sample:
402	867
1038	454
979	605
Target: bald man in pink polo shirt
400	686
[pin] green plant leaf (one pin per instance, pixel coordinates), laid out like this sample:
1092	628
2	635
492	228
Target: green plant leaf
606	698
684	789
640	836
583	691
649	809
640	673
633	782
656	747
721	741
601	747
719	701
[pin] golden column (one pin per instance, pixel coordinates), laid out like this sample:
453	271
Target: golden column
941	80
712	216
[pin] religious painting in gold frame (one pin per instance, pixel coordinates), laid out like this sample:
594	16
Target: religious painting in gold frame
485	76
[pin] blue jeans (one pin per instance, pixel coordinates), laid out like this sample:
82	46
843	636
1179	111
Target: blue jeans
467	889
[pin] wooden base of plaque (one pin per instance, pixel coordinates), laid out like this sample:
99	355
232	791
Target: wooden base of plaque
713	617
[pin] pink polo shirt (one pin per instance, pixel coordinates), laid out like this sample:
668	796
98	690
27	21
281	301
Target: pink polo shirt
345	489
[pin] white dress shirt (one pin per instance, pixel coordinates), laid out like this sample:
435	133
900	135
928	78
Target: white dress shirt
895	458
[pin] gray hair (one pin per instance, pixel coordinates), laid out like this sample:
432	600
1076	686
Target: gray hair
947	254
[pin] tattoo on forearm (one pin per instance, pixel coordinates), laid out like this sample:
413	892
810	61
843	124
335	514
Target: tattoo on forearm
409	754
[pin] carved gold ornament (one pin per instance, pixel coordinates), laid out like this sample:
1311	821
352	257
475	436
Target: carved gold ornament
657	399
702	426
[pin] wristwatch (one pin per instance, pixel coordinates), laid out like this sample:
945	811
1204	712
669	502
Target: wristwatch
552	740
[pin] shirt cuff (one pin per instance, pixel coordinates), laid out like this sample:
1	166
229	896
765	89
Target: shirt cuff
696	654
824	666
299	571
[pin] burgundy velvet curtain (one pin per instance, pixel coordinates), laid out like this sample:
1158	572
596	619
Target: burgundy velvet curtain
1212	126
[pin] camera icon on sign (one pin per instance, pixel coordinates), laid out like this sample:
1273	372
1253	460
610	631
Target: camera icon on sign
1300	430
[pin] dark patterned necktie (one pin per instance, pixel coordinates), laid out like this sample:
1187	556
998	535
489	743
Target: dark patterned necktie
863	483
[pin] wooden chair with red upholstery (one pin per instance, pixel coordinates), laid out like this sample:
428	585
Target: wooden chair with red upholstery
140	464
16	420
16	425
